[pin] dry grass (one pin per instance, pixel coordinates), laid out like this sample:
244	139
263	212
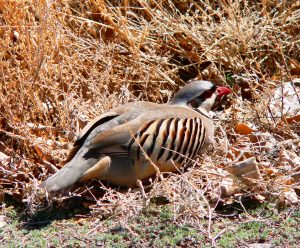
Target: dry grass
63	62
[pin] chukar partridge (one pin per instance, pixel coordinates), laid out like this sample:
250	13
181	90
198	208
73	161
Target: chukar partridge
118	145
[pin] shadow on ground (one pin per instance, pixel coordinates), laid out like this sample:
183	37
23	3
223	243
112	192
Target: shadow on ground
239	206
66	209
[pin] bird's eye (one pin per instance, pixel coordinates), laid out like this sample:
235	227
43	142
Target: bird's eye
194	103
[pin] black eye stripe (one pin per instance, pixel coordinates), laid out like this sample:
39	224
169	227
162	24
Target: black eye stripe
197	101
213	89
205	95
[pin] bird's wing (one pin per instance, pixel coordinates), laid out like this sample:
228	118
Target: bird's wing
111	138
106	121
86	131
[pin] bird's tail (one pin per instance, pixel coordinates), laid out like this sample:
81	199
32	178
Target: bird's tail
68	175
79	169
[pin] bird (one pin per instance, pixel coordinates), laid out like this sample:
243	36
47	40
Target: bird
125	144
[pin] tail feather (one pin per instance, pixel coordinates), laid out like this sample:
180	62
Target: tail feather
68	175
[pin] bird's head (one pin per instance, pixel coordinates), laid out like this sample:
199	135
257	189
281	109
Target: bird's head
199	95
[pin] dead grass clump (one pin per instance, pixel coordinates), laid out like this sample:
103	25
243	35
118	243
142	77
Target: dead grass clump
64	62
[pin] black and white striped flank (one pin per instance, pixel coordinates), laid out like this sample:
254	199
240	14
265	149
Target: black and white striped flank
170	139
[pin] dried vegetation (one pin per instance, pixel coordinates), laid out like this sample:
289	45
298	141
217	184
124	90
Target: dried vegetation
64	62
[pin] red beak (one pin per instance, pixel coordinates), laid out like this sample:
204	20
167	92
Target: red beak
223	91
